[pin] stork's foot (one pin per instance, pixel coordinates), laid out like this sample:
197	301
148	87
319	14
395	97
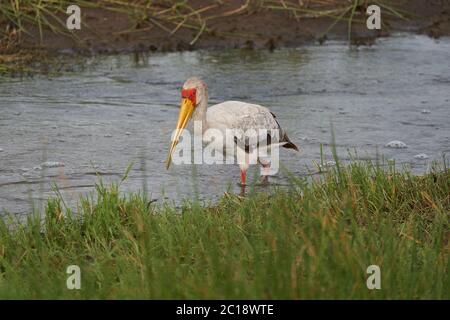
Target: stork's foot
264	180
242	192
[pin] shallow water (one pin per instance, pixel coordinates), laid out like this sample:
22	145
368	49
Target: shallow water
122	109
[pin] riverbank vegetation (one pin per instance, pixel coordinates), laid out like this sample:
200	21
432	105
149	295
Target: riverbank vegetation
111	26
313	240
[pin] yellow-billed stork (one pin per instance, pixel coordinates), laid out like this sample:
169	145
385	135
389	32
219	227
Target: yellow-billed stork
229	115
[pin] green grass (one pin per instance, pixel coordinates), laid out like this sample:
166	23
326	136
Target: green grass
314	240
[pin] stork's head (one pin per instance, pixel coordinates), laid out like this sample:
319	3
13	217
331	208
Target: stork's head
193	94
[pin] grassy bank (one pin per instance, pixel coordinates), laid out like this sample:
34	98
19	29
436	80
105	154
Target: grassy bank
312	241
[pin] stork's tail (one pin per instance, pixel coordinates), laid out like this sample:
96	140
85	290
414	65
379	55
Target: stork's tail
288	143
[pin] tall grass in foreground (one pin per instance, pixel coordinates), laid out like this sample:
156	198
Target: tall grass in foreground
312	241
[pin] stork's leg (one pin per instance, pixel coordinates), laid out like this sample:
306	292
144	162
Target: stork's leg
243	177
265	171
243	182
243	166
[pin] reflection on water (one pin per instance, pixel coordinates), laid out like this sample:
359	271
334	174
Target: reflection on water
122	109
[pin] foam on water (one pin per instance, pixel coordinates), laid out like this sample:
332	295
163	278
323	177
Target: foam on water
396	144
52	164
421	156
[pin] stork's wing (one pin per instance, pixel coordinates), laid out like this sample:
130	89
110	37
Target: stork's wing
240	115
246	120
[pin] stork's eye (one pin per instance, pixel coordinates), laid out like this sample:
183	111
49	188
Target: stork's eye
190	94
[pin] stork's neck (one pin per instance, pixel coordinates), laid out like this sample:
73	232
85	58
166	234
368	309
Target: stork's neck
200	112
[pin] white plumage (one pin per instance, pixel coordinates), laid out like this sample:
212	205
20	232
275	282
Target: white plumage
231	117
240	115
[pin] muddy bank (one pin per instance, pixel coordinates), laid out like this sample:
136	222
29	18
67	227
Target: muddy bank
220	25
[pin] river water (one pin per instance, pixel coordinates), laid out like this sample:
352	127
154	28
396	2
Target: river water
113	111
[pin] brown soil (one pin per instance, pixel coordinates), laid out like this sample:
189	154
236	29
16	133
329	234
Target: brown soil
105	31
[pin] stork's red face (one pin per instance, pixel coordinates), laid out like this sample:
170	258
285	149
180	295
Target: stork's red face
190	94
188	104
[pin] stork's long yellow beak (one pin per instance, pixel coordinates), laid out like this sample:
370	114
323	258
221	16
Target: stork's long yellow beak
186	110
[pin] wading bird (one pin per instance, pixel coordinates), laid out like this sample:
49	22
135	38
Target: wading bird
229	116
